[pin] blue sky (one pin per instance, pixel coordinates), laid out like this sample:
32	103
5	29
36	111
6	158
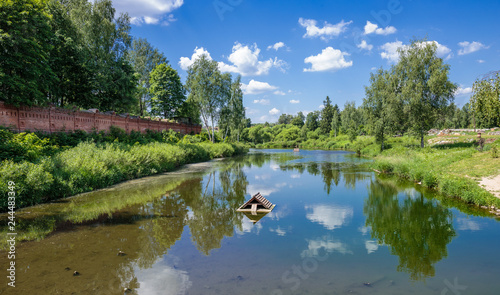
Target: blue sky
292	54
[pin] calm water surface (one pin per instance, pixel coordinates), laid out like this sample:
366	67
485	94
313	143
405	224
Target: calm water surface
336	229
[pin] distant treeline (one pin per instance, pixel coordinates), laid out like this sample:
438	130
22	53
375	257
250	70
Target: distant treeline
412	97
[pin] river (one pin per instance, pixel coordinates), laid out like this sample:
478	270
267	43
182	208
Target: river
337	228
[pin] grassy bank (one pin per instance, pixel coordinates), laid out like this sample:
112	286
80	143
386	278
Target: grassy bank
453	169
88	166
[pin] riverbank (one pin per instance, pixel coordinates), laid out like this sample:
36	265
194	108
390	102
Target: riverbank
90	166
456	169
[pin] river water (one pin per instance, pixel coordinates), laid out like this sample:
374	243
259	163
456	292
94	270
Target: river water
337	228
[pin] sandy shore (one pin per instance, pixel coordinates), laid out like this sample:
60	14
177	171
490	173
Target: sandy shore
492	184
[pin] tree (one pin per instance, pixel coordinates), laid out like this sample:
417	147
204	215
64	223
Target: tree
25	34
425	86
350	120
336	120
166	90
381	104
144	58
312	120
326	116
237	110
298	120
285	119
105	39
485	101
67	61
209	90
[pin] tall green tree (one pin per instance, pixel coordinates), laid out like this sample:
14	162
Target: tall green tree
298	120
166	90
350	119
485	101
25	35
144	58
232	116
67	60
336	123
382	105
326	116
106	39
209	90
312	122
425	85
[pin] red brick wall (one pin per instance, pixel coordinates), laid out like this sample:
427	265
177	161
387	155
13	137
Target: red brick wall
60	120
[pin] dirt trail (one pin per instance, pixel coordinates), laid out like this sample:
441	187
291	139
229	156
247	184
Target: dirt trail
492	184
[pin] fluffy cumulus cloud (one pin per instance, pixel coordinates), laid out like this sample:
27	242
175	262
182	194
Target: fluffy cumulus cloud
186	62
469	47
371	28
294	101
389	50
279	92
245	61
262	101
365	46
329	59
326	32
149	11
463	90
331	217
274	111
277	46
257	87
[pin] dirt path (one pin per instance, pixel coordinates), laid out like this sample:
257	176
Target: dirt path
492	184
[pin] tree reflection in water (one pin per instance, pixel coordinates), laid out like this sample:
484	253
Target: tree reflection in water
416	229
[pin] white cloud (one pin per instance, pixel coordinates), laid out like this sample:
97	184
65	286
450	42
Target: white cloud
390	50
326	32
463	91
279	92
148	11
328	60
257	87
371	246
274	111
277	46
481	61
371	28
469	47
278	231
467	224
321	106
331	217
326	244
186	62
262	101
365	46
294	101
245	61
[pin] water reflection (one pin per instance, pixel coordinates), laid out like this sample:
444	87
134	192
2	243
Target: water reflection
416	229
330	216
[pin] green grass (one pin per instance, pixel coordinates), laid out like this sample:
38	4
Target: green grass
453	169
90	166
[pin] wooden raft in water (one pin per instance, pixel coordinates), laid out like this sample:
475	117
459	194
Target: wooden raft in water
257	204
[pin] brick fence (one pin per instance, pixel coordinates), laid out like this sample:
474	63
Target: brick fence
54	119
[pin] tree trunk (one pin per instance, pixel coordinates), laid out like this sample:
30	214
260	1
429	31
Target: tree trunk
421	140
213	131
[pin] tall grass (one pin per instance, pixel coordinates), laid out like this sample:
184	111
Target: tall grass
90	166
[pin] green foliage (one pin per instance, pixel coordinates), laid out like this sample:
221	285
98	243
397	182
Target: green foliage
144	58
494	152
25	34
166	90
425	87
325	124
485	101
90	166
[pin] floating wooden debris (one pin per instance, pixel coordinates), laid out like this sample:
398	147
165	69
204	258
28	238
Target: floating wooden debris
257	204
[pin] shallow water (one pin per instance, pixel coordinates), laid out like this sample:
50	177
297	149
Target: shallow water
336	229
